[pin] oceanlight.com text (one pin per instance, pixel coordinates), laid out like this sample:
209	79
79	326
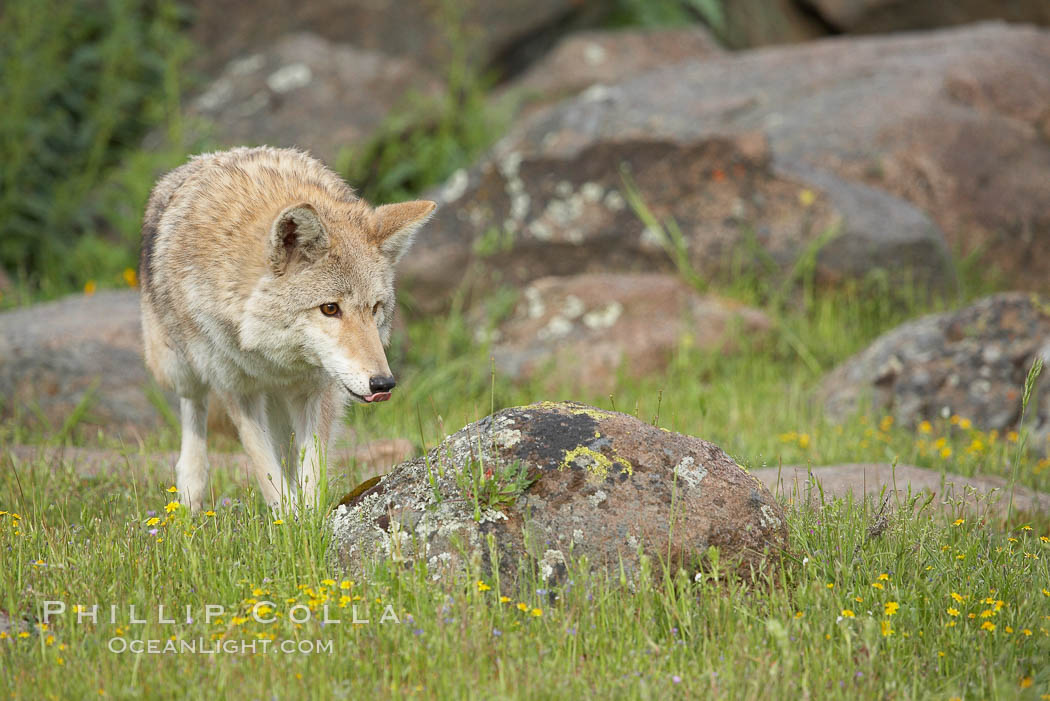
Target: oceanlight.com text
200	646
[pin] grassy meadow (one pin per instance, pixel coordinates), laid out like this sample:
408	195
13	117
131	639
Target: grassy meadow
922	600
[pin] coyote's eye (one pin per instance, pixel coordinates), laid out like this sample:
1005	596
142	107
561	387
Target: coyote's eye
375	308
330	309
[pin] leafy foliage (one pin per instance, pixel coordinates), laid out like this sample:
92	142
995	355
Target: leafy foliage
82	83
422	144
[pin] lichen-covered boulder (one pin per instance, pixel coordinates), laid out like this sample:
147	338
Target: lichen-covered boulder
972	362
541	485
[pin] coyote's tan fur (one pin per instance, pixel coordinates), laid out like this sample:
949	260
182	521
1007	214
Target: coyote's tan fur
267	281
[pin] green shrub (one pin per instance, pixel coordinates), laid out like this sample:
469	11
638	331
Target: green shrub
82	82
428	139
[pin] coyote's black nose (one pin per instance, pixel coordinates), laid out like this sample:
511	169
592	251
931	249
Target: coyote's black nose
381	383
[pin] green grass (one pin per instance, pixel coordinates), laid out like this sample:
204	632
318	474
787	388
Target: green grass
670	637
88	540
93	540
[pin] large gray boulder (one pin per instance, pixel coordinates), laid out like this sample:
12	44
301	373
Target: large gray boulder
906	145
551	482
559	204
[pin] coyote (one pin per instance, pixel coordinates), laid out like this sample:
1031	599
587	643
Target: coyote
267	281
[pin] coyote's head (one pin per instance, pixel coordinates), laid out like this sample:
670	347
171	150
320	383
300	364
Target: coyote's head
327	299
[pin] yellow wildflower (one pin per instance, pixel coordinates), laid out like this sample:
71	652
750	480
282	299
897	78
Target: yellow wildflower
171	506
891	608
482	586
988	626
846	613
953	611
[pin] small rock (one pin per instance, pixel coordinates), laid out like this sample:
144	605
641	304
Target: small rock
369	459
977	494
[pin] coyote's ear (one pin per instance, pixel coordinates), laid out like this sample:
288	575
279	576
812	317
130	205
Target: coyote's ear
297	236
398	224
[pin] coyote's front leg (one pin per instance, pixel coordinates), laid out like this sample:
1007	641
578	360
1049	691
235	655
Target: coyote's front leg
312	419
251	417
191	471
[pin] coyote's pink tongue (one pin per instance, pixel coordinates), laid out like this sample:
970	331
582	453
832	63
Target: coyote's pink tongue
378	397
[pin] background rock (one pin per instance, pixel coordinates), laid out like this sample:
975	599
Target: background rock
603	488
876	16
576	332
983	495
414	28
52	354
972	363
749	23
369	459
726	145
555	195
585	58
303	90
